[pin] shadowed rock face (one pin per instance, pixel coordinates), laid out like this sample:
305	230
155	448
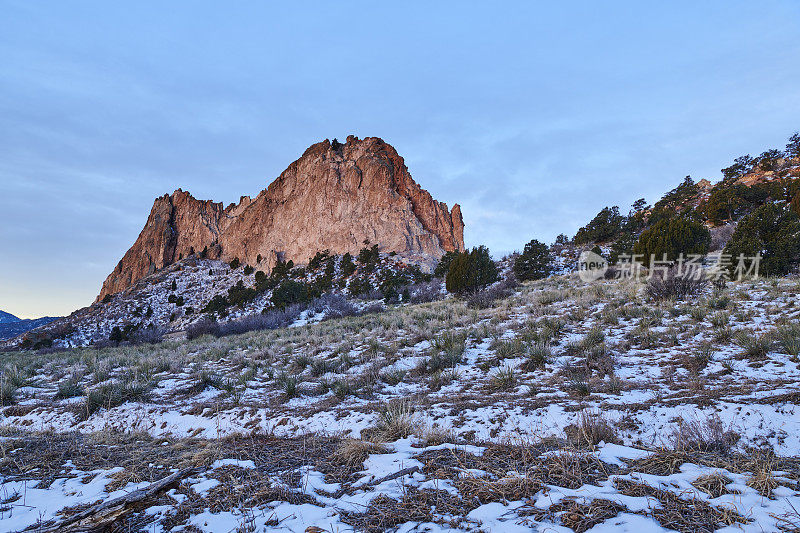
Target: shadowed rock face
332	198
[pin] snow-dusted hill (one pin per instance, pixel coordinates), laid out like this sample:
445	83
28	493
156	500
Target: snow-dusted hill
564	407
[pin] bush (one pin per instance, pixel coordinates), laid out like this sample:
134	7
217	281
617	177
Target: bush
483	299
319	258
709	436
426	291
535	262
217	304
334	306
670	285
471	271
248	270
772	230
290	292
622	246
444	264
672	237
234	264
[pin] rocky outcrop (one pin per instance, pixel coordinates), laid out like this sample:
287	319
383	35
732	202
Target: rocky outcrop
335	197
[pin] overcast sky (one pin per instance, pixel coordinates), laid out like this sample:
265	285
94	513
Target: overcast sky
532	116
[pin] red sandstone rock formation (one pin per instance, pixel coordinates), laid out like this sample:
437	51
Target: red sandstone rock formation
333	197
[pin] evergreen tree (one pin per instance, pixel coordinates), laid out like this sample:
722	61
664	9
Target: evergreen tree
535	262
347	265
793	147
444	264
773	230
471	270
606	225
672	237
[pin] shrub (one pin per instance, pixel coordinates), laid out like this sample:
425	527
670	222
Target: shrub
217	304
426	291
772	230
248	270
539	354
622	246
672	285
590	430
319	258
535	262
289	384
672	237
485	298
290	292
708	436
68	389
234	264
470	271
270	319
334	306
504	378
789	338
444	264
7	392
112	395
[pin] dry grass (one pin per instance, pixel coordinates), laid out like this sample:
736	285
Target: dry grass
715	485
581	517
352	453
681	512
591	429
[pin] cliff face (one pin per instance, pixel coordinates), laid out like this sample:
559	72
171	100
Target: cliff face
333	197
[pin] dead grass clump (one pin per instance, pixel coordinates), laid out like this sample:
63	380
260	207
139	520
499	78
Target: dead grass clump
762	478
709	436
571	469
687	515
591	429
674	285
384	513
715	485
353	452
478	490
663	462
581	517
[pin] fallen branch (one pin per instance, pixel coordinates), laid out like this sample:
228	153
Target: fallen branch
98	517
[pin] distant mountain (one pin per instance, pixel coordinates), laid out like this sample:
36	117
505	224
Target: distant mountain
7	317
11	326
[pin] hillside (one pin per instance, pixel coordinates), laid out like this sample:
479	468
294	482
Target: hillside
563	406
773	177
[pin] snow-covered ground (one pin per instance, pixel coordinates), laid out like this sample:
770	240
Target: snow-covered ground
567	407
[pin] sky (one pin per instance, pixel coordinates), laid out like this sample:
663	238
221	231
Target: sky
531	115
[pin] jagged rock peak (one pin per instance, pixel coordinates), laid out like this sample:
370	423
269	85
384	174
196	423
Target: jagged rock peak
335	196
